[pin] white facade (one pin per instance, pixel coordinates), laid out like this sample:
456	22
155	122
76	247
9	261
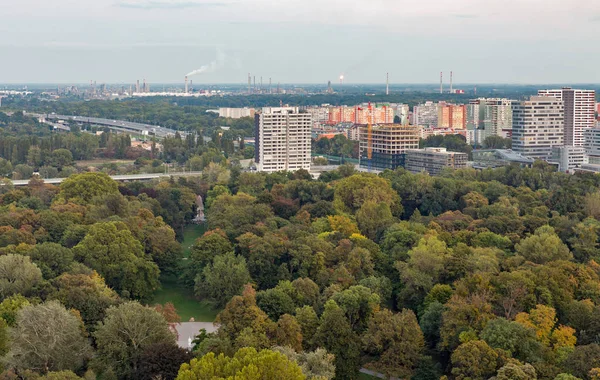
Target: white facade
426	114
579	112
538	125
236	113
569	158
283	139
319	114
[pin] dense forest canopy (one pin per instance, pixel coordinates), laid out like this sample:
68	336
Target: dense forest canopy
468	275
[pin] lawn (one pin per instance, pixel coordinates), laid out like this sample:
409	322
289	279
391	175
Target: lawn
172	291
186	304
190	233
364	376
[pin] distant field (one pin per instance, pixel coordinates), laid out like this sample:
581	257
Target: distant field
172	291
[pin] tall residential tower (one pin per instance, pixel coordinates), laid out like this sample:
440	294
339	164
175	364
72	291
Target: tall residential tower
538	125
282	139
579	112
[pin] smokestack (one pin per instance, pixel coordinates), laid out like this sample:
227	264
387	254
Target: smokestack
254	80
186	84
451	82
249	82
270	92
441	82
387	83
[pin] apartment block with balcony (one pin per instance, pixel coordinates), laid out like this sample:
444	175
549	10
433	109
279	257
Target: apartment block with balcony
283	139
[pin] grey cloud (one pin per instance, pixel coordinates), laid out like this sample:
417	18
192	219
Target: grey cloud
165	4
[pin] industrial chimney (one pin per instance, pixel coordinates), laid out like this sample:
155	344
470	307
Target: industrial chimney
441	82
451	83
387	83
186	84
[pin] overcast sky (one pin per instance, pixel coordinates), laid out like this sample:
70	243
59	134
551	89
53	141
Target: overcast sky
300	41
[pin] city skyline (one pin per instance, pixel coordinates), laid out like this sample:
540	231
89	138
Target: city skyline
161	40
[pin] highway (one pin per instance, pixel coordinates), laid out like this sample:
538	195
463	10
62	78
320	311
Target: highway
126	177
120	125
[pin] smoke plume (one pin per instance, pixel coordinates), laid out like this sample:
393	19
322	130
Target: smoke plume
210	67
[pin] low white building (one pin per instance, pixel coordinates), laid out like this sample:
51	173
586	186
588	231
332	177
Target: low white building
568	158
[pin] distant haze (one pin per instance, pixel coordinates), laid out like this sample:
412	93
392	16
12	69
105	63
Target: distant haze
299	41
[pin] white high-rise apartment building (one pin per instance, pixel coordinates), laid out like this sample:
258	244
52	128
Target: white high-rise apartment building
282	139
426	114
538	125
579	112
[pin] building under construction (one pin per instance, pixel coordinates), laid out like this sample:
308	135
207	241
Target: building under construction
383	146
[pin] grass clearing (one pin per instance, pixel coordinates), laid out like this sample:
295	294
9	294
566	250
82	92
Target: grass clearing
186	304
191	232
183	298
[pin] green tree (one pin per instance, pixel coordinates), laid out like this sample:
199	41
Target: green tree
47	337
423	269
223	279
125	333
234	213
246	364
352	192
543	246
512	337
289	332
396	341
52	259
161	361
81	188
10	307
474	360
335	334
373	218
241	313
18	275
111	249
275	302
582	360
516	371
61	158
309	323
211	244
315	365
6	168
359	303
86	293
